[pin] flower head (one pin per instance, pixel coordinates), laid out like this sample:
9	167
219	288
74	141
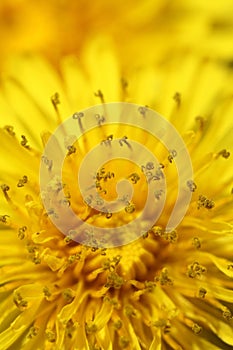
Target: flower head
165	290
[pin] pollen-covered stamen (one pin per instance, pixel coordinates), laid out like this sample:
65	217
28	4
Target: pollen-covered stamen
195	270
163	278
204	202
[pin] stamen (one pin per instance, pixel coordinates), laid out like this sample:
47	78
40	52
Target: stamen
22	181
202	292
172	155
24	142
163	278
195	270
68	294
21	232
33	331
196	242
177	99
196	328
4	218
205	202
50	335
55	99
124	84
9	129
191	185
117	324
78	117
130	208
224	153
100	95
20	302
114	281
201	122
124	140
71	150
5	188
124	342
100	119
227	314
142	110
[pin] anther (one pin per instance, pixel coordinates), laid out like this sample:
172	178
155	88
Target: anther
100	119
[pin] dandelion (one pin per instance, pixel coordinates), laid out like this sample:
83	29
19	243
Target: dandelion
166	290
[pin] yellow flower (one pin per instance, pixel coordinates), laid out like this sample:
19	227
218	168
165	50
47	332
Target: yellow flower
165	290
